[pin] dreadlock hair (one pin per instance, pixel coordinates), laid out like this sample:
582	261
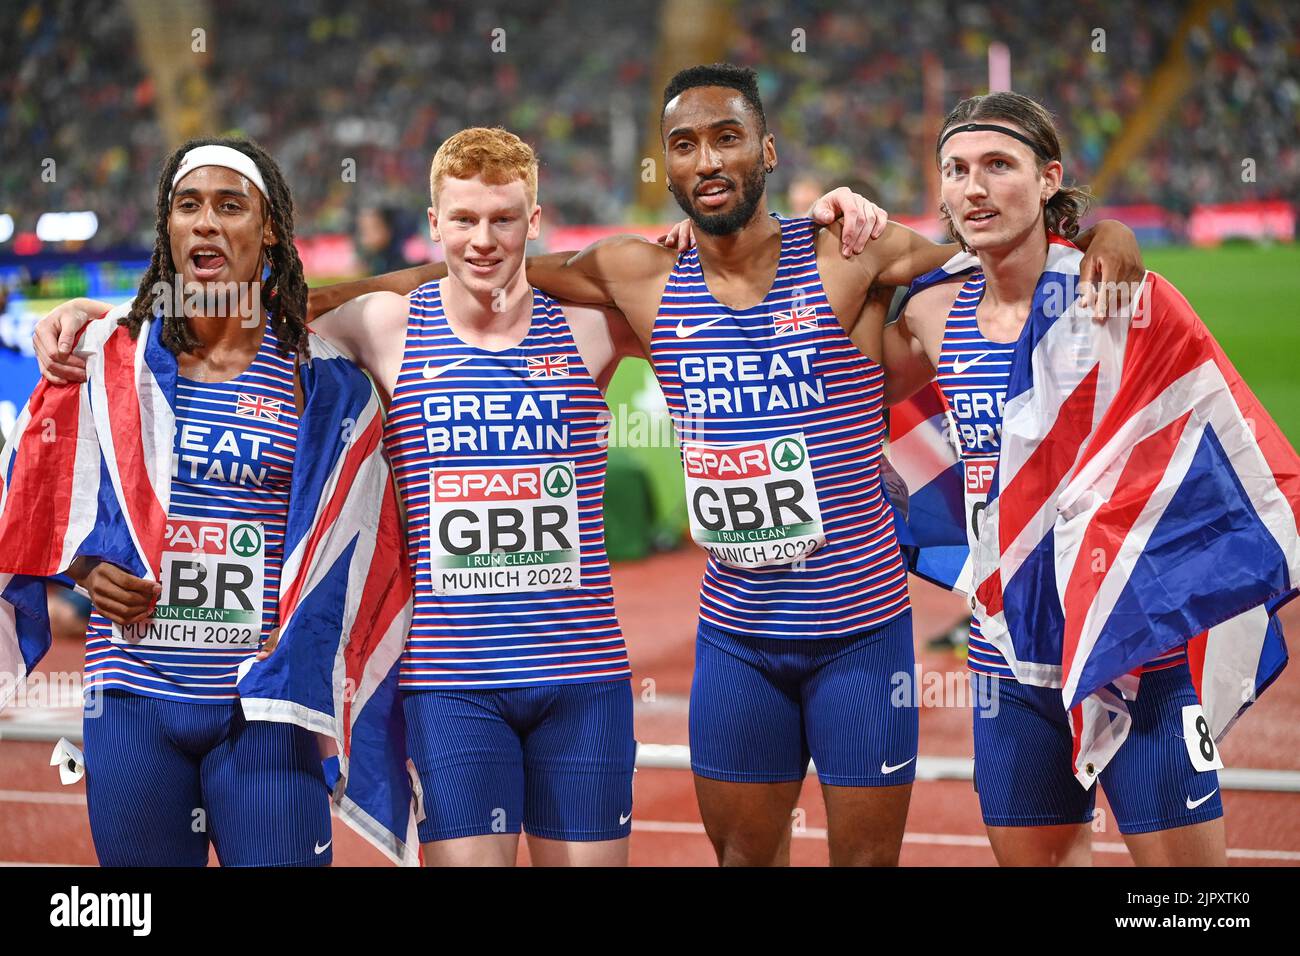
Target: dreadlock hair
283	294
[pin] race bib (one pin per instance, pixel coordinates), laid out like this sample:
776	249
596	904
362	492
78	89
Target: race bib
1200	744
978	479
213	574
753	505
500	529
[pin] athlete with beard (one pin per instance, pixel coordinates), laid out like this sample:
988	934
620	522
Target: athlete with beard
766	342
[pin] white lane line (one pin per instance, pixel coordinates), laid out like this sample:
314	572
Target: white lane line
1263	854
678	756
42	796
4	863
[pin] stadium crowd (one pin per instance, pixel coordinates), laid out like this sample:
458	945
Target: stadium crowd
846	102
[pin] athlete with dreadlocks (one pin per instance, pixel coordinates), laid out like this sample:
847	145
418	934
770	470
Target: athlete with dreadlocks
515	677
170	760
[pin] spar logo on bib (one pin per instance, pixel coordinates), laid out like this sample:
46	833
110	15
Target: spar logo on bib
558	481
744	461
726	464
246	540
788	454
213	538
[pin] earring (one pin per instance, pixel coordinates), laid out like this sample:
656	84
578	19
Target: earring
769	168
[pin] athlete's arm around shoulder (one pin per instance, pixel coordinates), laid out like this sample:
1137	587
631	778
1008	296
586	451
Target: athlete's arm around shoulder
371	330
594	276
912	344
1111	257
627	272
603	338
324	298
894	259
620	271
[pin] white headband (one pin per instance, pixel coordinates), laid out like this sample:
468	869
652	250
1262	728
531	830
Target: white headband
216	155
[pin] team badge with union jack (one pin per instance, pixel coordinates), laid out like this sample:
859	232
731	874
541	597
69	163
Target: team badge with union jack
795	319
549	366
255	406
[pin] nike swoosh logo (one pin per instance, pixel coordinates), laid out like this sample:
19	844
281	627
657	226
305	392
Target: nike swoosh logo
684	333
623	819
958	366
321	849
1193	804
886	768
435	372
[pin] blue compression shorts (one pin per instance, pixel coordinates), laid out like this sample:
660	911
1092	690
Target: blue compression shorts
1023	759
760	707
555	760
165	777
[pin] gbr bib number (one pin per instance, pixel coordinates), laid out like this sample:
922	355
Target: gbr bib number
213	574
753	505
501	529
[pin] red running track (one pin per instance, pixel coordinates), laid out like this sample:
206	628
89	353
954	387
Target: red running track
42	822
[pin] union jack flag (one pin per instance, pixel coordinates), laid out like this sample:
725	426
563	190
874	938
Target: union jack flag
548	366
795	319
102	488
931	521
255	406
1143	499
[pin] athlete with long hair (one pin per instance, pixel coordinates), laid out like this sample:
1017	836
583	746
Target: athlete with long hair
1005	199
220	318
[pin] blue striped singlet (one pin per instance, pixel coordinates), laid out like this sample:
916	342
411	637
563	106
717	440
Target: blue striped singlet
779	415
232	466
973	373
500	463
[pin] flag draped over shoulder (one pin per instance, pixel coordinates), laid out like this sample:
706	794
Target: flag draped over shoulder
72	489
87	473
1143	498
345	605
933	531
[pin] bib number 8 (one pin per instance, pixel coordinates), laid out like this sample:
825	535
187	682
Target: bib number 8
1200	742
1207	745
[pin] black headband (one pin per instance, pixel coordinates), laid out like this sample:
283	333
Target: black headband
973	127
